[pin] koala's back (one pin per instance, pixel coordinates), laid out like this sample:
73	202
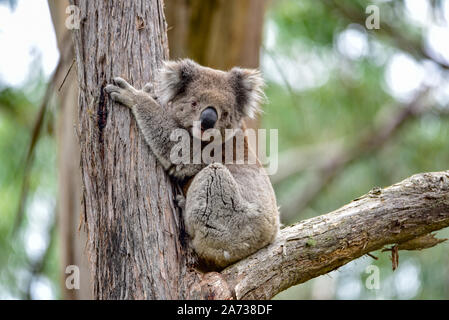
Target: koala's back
231	212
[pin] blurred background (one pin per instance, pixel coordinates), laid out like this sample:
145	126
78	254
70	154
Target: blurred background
357	104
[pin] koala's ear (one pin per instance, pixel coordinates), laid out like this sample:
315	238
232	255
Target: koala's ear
173	78
248	86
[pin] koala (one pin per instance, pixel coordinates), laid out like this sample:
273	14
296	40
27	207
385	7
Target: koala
229	209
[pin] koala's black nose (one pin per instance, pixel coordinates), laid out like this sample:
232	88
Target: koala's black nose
208	118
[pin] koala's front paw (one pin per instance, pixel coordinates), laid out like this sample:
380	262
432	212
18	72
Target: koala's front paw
122	92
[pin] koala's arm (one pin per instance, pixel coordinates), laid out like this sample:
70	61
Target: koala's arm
155	123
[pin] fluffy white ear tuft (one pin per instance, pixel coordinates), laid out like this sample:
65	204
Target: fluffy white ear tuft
248	86
173	78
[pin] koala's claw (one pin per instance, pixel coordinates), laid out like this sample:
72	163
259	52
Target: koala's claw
110	88
181	201
121	91
121	83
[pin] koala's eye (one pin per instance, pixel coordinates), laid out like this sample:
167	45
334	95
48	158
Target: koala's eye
225	114
194	104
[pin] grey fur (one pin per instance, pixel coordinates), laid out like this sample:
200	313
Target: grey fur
230	210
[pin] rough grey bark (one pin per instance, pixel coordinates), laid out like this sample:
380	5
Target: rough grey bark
133	228
135	235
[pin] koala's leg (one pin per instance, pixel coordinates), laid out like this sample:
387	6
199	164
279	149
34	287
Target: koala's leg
154	122
223	226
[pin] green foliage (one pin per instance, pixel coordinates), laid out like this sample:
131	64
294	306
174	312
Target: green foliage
303	21
18	269
353	99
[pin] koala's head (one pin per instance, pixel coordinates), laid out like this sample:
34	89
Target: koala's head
217	99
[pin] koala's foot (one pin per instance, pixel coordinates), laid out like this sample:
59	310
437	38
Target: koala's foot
149	89
223	226
122	92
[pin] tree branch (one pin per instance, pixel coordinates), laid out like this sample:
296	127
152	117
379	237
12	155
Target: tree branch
394	215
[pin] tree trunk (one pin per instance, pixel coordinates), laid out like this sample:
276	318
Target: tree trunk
134	232
72	241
